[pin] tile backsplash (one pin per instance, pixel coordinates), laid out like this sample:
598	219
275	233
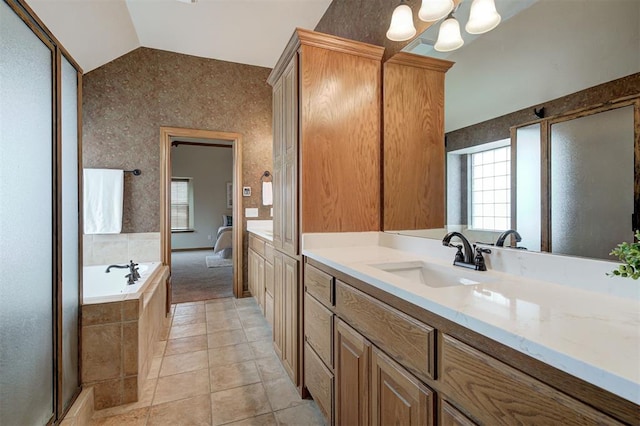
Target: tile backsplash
108	249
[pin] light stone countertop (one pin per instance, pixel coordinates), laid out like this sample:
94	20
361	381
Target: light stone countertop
261	228
591	335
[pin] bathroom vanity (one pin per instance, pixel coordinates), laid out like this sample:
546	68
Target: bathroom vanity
381	347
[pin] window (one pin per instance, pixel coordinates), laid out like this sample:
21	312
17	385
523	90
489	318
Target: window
490	172
181	204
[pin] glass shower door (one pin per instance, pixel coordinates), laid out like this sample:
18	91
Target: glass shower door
26	224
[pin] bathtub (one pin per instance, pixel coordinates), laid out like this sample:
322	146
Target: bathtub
98	286
120	325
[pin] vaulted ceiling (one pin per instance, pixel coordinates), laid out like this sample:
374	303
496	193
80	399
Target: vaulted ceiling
251	32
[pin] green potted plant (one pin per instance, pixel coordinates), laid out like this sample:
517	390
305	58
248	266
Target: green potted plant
629	255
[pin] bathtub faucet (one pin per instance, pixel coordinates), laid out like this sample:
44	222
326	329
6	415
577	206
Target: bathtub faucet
133	274
116	266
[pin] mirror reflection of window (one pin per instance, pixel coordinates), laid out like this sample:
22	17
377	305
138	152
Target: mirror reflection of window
479	189
490	192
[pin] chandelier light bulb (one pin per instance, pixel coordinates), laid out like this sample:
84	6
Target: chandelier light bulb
401	27
483	17
434	10
449	37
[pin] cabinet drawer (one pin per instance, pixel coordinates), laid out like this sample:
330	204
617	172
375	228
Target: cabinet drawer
319	382
268	252
495	393
407	340
256	244
318	328
319	284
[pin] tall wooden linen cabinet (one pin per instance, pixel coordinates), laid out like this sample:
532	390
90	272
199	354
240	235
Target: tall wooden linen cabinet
326	160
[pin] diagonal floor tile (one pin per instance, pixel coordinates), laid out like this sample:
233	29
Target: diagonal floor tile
226	338
307	414
191	411
186	344
187	330
239	403
230	354
180	386
233	375
181	363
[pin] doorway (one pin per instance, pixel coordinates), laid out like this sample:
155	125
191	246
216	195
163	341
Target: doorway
168	137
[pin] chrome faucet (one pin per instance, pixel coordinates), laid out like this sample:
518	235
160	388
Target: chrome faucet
466	259
505	234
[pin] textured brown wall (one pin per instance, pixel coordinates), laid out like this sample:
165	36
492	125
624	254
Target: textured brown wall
367	21
498	128
127	100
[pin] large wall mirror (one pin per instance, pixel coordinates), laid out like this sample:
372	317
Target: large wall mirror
568	182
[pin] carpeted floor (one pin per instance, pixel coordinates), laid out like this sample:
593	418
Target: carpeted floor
193	281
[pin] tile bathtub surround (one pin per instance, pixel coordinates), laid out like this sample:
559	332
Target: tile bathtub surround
107	249
217	370
118	343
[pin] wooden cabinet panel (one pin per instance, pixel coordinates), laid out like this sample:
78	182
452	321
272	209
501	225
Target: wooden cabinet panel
290	208
414	142
268	252
396	396
289	205
268	308
319	382
318	329
409	341
450	416
352	376
256	244
340	140
497	394
252	269
290	347
260	283
269	277
278	140
319	284
278	299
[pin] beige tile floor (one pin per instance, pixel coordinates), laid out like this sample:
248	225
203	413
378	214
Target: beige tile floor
217	367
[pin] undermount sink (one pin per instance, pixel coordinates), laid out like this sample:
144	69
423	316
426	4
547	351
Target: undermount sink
433	275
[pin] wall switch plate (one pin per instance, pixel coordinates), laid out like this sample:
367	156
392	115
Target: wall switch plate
271	212
246	191
251	212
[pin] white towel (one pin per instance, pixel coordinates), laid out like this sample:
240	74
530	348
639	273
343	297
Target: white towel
267	193
103	197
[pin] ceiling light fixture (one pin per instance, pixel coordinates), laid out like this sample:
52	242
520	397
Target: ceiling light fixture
401	27
449	37
483	18
435	10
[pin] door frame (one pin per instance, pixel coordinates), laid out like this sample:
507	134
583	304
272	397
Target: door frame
166	135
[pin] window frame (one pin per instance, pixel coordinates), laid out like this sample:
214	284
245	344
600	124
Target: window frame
189	204
471	190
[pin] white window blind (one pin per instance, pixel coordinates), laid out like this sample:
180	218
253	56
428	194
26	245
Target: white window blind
180	206
491	189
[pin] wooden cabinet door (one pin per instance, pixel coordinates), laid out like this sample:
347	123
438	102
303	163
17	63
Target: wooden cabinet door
353	353
278	296
252	267
289	170
290	316
398	398
278	141
260	282
450	416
